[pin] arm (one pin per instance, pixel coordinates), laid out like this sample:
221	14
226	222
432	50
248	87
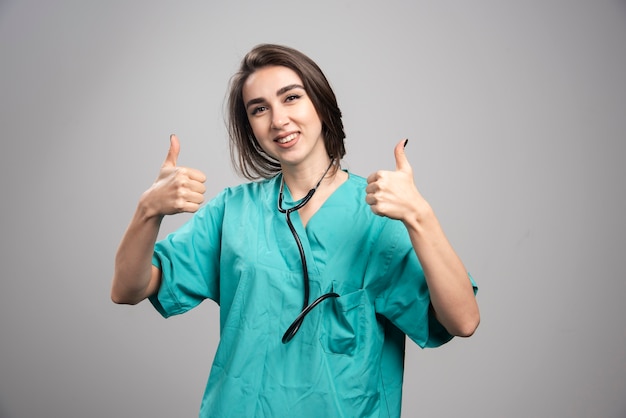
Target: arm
176	190
393	194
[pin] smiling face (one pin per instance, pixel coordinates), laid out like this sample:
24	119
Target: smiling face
283	118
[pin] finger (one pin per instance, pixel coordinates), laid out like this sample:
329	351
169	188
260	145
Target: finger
196	175
172	154
374	177
402	163
197	187
195	198
188	201
190	207
372	188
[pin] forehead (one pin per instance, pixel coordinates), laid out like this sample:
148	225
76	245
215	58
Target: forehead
265	82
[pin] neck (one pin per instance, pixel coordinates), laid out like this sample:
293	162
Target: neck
300	180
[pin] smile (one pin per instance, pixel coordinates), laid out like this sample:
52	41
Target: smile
287	138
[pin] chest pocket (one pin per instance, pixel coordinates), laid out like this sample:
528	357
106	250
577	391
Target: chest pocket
343	323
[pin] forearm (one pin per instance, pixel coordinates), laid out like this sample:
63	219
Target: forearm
451	292
393	194
176	190
133	278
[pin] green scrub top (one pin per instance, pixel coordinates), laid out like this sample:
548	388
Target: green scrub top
347	359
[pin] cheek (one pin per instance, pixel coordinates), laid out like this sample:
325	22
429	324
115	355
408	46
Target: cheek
257	127
311	116
262	135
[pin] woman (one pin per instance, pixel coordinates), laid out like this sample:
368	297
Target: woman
319	273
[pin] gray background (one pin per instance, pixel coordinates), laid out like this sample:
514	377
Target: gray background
516	117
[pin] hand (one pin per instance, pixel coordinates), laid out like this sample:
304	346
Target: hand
176	189
393	193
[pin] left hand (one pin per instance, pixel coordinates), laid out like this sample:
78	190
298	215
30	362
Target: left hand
393	193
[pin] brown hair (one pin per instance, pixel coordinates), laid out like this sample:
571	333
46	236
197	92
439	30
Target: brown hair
247	156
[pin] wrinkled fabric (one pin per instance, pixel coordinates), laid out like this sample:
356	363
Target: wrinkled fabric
347	359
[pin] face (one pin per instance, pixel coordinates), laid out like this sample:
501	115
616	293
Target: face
283	118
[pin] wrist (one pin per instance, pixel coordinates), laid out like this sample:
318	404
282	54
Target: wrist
147	211
419	217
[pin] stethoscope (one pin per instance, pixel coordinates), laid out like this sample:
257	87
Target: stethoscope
306	308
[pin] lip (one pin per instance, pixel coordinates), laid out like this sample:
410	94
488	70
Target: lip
292	141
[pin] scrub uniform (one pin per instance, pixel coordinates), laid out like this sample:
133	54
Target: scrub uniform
347	359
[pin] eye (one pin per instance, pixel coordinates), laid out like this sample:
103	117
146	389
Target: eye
292	97
258	110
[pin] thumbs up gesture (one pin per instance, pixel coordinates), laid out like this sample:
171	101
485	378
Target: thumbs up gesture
393	193
176	189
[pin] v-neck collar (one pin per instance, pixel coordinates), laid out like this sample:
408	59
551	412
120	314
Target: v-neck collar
288	202
307	233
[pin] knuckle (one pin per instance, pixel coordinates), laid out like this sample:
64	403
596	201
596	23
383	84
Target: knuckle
179	203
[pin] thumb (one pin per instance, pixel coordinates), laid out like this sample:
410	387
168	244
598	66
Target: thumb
172	154
402	163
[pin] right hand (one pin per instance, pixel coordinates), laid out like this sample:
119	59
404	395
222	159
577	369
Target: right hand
176	189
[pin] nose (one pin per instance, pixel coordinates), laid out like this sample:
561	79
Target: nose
279	118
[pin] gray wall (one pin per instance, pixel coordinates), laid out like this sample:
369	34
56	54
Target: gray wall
516	117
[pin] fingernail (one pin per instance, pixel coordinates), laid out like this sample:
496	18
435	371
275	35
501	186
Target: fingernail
406	141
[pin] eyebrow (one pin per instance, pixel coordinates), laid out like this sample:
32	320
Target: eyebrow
280	91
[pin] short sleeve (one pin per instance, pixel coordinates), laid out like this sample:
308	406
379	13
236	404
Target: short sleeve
189	262
405	299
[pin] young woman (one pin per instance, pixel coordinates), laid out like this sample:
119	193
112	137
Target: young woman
319	273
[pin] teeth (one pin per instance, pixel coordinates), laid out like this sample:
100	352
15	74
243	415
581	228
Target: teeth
286	139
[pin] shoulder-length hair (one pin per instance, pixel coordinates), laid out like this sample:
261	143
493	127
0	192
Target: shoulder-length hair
247	156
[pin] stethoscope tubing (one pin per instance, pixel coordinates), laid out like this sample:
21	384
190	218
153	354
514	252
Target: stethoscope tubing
306	308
